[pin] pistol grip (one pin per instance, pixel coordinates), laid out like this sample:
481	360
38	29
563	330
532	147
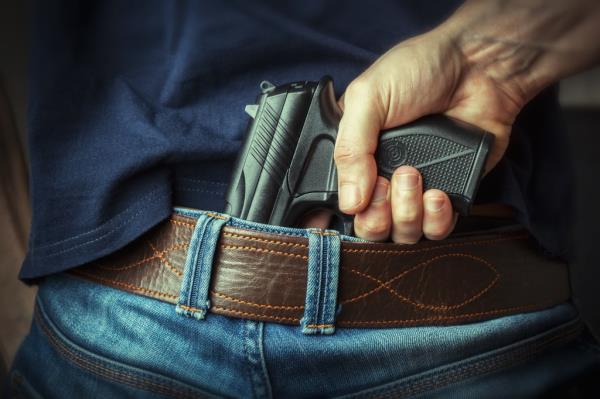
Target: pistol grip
450	155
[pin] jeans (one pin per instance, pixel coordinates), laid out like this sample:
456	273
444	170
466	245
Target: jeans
90	340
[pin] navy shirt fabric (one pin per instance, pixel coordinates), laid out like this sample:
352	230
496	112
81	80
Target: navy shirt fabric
136	106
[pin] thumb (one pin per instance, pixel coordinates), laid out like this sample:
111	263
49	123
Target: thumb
356	145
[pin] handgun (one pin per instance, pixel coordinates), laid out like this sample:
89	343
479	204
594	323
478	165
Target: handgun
286	166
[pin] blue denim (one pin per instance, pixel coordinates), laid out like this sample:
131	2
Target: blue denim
89	340
323	272
193	298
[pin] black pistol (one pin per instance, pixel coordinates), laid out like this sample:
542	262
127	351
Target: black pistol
286	165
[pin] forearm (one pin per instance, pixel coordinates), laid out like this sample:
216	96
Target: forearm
481	66
527	45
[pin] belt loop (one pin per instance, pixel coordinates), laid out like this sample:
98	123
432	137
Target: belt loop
322	282
193	297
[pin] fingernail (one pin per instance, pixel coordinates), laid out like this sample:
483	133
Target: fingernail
408	181
434	204
349	196
381	192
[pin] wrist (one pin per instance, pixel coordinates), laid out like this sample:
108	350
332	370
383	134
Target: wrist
525	46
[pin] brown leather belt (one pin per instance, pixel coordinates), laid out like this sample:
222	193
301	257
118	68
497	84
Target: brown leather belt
262	276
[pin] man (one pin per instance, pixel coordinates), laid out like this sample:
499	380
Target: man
130	102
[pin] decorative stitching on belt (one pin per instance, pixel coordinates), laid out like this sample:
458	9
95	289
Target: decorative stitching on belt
271	251
276	242
131	266
126	285
445	318
395	321
258	305
376	272
453	245
386	285
156	254
386	251
161	255
182	223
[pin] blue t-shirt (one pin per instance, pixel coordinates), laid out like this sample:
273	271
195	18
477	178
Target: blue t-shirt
136	106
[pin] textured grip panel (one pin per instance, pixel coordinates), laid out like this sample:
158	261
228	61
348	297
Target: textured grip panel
450	176
444	164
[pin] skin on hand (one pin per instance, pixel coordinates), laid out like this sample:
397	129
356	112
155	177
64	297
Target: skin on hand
433	77
481	66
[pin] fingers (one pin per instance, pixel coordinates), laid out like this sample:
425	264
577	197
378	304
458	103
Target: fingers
355	145
407	205
400	209
375	222
438	217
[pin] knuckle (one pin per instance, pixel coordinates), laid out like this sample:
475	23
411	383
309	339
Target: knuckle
406	215
345	153
375	228
359	88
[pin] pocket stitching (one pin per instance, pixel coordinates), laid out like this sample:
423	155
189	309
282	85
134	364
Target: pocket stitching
474	368
93	366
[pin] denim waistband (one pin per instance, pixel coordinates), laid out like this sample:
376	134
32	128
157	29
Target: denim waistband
203	261
322	267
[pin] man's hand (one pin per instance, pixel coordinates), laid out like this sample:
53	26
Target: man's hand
475	68
424	75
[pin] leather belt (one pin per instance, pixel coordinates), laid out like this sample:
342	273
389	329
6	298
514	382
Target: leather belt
262	276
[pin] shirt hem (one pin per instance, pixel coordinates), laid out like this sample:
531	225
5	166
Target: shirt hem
131	224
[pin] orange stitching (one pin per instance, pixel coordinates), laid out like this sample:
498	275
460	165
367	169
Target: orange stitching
420	305
326	233
126	285
518	355
255	314
320	325
458	244
136	381
193	309
254	249
402	274
179	222
439	318
214	215
396	321
259	305
164	260
175	247
289	244
138	263
148	259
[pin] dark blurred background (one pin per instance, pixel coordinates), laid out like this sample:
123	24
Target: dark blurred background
580	96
